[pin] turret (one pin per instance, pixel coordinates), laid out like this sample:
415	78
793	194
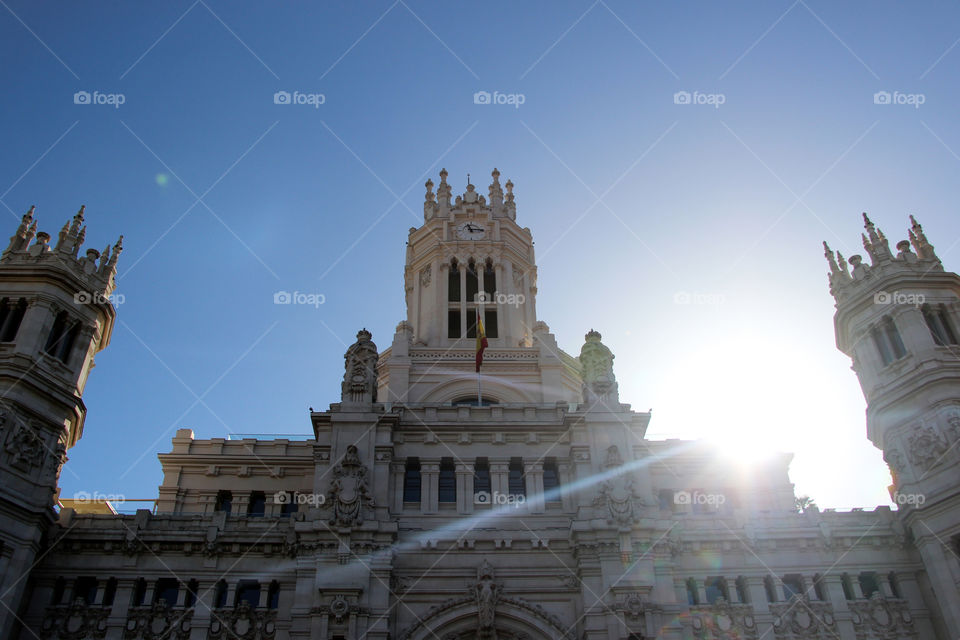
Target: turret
899	321
56	313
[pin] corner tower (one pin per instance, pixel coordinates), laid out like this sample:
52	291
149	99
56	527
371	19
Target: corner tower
56	313
898	319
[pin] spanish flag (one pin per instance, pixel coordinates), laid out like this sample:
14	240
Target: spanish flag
481	341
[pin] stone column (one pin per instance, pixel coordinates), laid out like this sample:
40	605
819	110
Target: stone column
203	610
833	585
732	595
534	484
463	300
35	327
499	482
118	612
429	487
464	488
398	474
758	598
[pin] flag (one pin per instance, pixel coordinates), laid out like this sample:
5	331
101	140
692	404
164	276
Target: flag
481	341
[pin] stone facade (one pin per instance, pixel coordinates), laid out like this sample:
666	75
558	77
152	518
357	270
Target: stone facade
537	509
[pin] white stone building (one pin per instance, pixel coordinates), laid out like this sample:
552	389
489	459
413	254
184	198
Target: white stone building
419	511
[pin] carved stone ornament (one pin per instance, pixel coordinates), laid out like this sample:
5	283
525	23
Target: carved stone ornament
77	621
895	460
722	620
425	276
243	623
24	446
618	493
881	618
487	592
158	622
926	447
360	375
599	383
801	618
349	493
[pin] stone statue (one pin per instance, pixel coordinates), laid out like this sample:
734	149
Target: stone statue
599	383
360	375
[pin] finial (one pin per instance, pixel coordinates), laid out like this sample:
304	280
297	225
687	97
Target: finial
866	220
828	254
468	178
443	176
495	174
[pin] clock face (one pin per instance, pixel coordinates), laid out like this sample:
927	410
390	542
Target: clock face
470	231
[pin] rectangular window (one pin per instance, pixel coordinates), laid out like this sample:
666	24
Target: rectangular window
453	285
191	598
411	481
743	592
85	588
224	501
472	322
248	591
792	585
453	323
847	587
819	588
490	322
551	480
10	318
289	506
880	340
257	505
481	476
447	482
894	584
220	595
139	592
869	583
693	595
716	588
166	589
515	481
770	588
895	342
109	592
473	285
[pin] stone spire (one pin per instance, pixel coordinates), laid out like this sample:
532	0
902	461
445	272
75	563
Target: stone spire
429	201
919	241
496	193
509	205
875	242
443	194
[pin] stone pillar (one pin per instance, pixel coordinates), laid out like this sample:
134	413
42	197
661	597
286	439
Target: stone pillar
758	598
398	473
118	612
463	300
429	487
937	564
34	328
202	610
534	484
733	596
833	584
499	482
464	488
563	471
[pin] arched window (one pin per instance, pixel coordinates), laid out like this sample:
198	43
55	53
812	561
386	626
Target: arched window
11	315
454	310
62	336
224	501
481	476
938	322
887	340
411	480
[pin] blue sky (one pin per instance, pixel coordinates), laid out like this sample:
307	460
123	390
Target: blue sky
225	197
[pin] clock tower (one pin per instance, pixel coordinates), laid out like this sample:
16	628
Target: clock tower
471	259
